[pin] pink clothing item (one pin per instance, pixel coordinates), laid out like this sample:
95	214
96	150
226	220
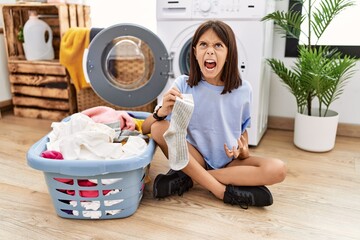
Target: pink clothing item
52	155
82	182
83	193
103	114
90	193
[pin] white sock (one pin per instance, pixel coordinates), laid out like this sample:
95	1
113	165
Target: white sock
175	136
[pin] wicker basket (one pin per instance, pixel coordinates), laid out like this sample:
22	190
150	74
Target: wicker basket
87	98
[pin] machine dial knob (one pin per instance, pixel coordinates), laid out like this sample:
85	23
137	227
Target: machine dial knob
205	6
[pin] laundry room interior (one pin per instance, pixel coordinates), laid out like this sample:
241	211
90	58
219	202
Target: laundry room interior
114	62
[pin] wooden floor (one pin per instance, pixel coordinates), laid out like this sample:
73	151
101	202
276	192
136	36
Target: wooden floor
320	198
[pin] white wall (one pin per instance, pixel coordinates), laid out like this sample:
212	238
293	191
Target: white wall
282	103
109	12
5	93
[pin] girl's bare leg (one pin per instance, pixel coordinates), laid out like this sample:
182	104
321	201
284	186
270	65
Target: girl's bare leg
253	171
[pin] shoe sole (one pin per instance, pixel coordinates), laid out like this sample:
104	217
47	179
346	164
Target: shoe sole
155	192
269	193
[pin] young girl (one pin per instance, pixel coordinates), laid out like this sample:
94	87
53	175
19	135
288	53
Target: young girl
215	153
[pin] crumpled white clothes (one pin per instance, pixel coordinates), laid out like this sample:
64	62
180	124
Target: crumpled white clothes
82	138
95	205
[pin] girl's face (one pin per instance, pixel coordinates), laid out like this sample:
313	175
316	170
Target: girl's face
211	53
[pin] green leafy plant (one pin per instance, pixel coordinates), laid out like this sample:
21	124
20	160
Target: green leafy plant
319	72
20	35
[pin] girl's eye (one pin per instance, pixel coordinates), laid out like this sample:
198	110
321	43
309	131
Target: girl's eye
202	44
218	45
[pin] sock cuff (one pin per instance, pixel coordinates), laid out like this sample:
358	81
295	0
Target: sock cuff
182	112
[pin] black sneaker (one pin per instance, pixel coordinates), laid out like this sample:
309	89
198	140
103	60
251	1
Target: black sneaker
171	183
246	196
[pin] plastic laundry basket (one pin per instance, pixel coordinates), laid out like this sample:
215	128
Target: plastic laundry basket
94	189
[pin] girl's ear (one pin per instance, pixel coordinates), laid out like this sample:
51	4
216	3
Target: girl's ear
194	50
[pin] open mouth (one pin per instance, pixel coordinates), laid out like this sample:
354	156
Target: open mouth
210	64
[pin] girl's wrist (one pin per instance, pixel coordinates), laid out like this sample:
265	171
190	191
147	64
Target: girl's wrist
159	115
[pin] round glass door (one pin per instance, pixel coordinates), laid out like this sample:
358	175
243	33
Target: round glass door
184	58
127	65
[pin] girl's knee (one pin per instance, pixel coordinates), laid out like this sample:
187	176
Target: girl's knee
281	171
158	129
277	171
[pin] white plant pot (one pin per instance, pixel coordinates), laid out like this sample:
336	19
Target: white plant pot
314	133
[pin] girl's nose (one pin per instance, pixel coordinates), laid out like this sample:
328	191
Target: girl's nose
210	52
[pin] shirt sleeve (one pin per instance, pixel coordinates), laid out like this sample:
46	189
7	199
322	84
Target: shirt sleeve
179	84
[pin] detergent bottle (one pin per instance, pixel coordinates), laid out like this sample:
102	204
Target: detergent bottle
37	39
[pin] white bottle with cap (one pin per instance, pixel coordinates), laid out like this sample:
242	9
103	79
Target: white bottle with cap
37	39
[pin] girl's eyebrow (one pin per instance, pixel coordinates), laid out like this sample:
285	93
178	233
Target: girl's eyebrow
204	41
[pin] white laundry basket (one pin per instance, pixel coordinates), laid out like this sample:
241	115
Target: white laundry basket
116	187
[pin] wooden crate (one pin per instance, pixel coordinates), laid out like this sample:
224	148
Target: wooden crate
41	89
60	17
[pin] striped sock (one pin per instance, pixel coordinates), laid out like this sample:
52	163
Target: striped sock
175	136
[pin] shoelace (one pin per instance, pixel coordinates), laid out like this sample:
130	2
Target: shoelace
243	201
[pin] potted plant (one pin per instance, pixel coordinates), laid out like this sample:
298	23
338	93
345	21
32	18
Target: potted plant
319	73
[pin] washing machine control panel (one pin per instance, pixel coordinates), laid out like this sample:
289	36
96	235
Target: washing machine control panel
228	9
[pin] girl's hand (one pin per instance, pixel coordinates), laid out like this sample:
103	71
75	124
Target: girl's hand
241	151
169	101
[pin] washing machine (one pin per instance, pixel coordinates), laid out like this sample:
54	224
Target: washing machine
130	66
177	22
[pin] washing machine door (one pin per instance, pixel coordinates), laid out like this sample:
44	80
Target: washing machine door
127	65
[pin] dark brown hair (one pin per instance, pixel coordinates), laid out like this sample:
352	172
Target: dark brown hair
230	74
